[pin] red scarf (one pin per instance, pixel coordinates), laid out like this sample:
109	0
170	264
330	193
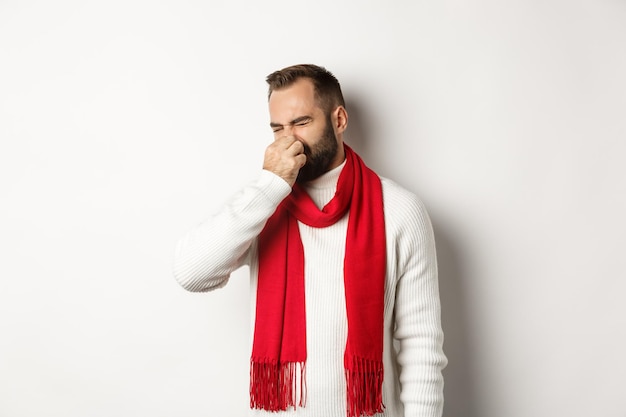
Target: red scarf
277	365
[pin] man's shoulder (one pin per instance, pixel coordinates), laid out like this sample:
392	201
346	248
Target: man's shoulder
395	195
402	205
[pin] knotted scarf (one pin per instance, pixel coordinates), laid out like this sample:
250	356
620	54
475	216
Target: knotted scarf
278	362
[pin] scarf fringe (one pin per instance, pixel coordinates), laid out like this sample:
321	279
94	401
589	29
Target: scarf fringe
365	387
277	386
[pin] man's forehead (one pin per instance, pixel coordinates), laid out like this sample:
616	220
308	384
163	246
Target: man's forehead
294	101
302	89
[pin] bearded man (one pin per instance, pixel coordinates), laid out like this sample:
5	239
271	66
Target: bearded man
343	269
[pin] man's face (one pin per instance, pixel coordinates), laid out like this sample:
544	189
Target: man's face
295	112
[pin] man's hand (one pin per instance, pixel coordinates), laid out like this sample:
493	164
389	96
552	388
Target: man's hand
284	157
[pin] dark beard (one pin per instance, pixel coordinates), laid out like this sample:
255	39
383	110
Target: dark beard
319	158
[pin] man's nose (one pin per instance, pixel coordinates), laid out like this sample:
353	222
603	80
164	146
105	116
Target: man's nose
290	130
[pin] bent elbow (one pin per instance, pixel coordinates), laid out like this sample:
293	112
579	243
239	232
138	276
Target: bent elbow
194	279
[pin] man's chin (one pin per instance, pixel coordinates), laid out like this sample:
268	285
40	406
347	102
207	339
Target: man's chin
303	178
307	174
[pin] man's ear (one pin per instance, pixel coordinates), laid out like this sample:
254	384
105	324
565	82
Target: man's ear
340	119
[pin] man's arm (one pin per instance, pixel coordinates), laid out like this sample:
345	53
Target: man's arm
208	254
418	317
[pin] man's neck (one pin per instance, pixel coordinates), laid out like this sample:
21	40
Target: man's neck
323	188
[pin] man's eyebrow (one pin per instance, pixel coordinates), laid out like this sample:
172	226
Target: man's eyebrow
300	119
293	122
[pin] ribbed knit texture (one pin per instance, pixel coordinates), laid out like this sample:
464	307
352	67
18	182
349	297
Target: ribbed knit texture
413	384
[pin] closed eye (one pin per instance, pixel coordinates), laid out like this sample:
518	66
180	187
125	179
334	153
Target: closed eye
299	121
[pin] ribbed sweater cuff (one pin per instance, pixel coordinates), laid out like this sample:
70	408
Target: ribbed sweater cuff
273	187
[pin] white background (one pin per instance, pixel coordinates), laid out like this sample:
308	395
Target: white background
125	123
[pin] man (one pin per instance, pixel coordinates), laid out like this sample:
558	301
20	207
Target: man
343	269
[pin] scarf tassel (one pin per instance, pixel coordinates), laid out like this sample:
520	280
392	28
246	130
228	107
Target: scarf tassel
277	386
365	387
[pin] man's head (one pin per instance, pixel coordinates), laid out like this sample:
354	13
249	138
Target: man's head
305	101
327	89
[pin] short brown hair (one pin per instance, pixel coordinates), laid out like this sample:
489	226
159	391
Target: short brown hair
327	89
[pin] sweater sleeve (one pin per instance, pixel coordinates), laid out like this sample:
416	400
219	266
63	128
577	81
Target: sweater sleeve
207	255
418	315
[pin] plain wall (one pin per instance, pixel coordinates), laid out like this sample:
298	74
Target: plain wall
125	123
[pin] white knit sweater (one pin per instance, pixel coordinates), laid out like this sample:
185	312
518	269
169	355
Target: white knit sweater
413	356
